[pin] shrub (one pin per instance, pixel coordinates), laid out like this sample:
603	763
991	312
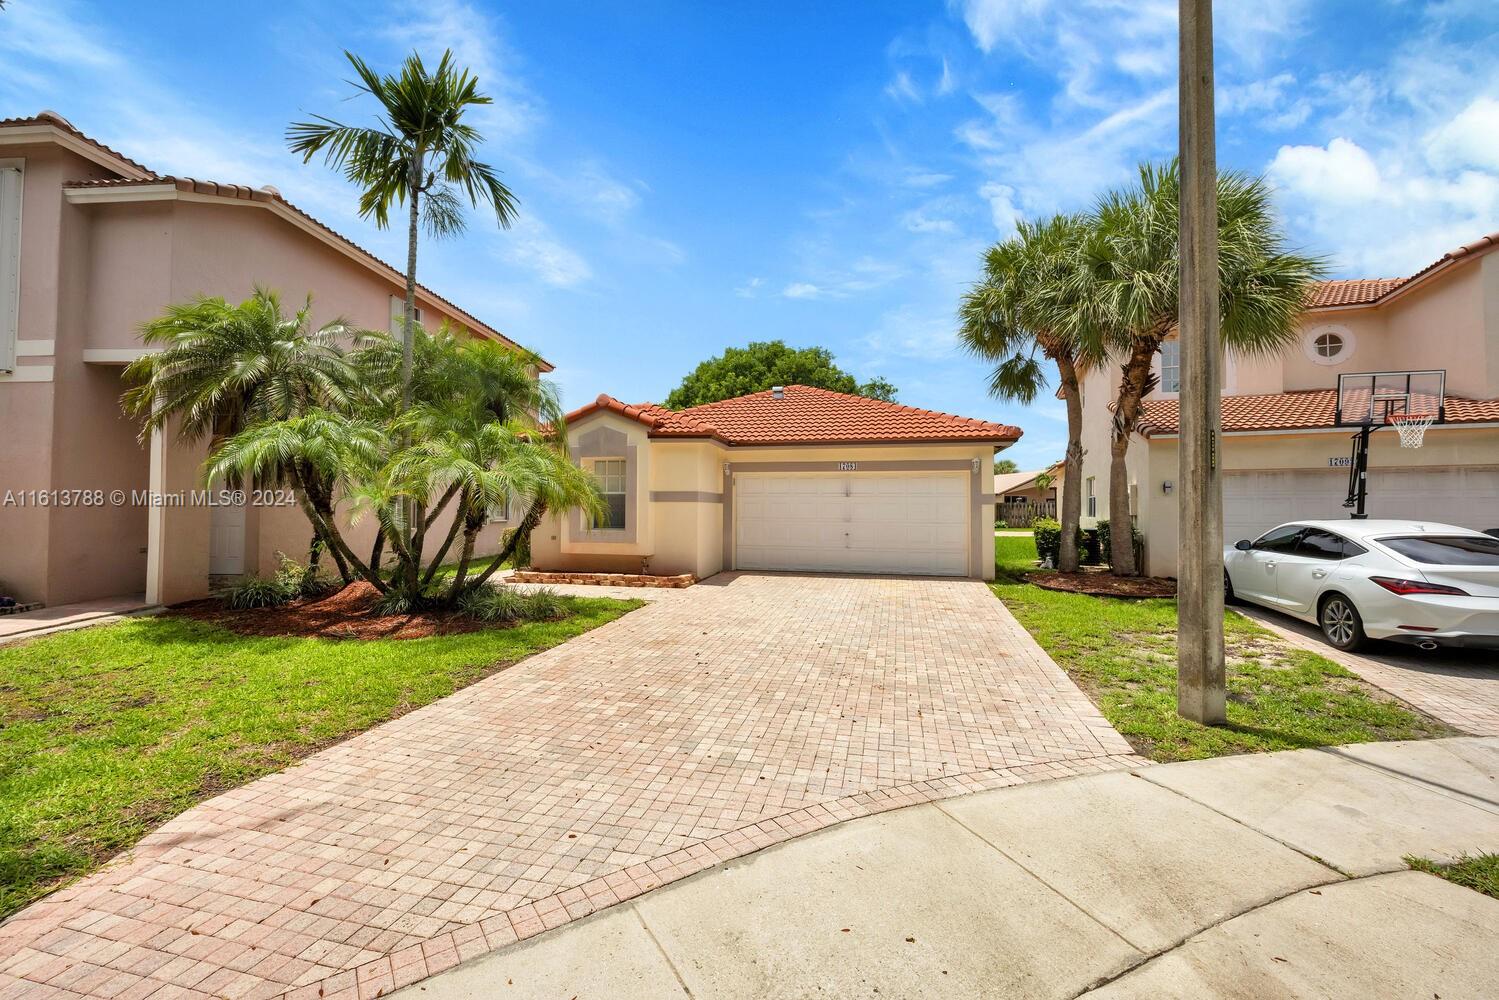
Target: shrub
393	604
1048	533
258	592
1104	541
493	604
301	581
543	604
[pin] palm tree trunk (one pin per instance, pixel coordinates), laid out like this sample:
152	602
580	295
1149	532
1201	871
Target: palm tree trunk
460	519
1132	389
527	525
408	326
1072	465
471	528
330	532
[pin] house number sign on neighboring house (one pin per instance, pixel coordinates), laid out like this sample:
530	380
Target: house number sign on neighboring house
1339	462
848	466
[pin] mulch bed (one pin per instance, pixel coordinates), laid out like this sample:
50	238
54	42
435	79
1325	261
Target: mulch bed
1099	582
343	615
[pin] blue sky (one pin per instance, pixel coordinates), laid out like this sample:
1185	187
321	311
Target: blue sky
694	176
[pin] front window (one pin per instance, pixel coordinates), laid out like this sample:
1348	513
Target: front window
610	473
1171	366
1092	499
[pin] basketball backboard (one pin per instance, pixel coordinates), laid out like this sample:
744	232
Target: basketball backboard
1383	399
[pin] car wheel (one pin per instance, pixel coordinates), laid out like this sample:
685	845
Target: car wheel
1341	624
1228	590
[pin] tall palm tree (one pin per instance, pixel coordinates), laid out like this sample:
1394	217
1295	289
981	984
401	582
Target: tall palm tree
222	367
419	153
1026	305
1131	271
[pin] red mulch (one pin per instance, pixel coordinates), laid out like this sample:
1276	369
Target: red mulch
343	615
1100	582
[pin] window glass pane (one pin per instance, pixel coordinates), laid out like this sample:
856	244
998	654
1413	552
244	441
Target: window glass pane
610	473
1316	544
1280	540
1171	366
1451	550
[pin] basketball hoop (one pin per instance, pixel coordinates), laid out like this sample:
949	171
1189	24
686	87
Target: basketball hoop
1412	427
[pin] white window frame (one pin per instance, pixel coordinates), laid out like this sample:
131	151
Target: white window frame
1092	497
623	492
398	314
12	184
1171	386
501	515
1309	344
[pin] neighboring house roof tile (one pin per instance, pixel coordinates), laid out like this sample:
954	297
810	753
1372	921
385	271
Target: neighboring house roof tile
1294	411
243	193
804	415
58	121
1371	291
1358	291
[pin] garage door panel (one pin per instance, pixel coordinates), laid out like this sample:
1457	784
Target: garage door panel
870	523
1255	502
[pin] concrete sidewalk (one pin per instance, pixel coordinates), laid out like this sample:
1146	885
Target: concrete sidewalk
1253	876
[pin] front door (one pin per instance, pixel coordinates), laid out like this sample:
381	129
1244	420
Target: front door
226	539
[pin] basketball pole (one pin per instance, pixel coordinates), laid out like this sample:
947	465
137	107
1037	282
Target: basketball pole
1200	694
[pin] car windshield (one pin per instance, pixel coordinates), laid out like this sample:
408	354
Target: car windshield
1447	550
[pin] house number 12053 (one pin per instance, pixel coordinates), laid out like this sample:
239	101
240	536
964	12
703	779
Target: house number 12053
848	466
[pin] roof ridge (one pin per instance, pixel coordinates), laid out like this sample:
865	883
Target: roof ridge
56	120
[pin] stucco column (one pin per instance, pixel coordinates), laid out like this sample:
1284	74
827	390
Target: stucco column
177	523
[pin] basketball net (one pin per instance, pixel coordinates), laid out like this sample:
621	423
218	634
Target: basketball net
1412	427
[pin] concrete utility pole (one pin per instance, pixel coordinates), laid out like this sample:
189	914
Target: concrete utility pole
1199	617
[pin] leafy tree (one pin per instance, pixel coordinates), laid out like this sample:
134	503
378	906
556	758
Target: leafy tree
1130	277
419	154
1005	466
763	364
222	367
1027	305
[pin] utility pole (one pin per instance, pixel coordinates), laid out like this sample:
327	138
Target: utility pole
1200	691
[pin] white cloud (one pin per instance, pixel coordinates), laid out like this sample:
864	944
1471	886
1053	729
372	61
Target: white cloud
903	89
947	83
801	290
530	244
917	221
750	288
1001	199
1471	139
1342	171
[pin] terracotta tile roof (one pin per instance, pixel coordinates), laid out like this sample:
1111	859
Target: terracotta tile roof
1355	292
1294	411
804	415
58	121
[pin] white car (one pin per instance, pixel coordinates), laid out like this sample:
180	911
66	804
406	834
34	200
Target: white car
1415	582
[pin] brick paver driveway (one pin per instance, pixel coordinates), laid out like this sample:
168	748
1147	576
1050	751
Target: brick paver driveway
713	722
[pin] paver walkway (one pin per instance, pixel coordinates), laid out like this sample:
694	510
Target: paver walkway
711	723
1264	875
1458	686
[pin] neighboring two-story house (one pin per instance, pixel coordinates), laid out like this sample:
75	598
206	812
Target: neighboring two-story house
92	245
1282	457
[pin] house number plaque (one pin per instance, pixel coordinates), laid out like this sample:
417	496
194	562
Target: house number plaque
848	466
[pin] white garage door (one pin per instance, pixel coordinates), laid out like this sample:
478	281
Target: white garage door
857	523
1255	501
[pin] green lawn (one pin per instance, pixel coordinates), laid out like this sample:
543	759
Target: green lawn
1479	872
107	732
1123	654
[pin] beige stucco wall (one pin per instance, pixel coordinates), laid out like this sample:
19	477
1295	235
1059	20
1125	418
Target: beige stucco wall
91	274
688	482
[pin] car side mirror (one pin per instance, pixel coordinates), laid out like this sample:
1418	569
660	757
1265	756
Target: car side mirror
1243	545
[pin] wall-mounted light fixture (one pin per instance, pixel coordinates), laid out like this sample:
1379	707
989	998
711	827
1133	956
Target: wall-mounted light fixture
1167	486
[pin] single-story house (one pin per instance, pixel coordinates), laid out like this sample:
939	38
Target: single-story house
794	478
1282	457
1022	488
92	245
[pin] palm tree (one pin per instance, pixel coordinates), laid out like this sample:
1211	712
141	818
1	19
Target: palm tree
1131	272
222	367
1026	305
419	154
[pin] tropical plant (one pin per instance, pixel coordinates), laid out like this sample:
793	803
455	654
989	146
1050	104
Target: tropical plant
479	435
418	153
221	367
1005	466
764	364
1028	304
1131	274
